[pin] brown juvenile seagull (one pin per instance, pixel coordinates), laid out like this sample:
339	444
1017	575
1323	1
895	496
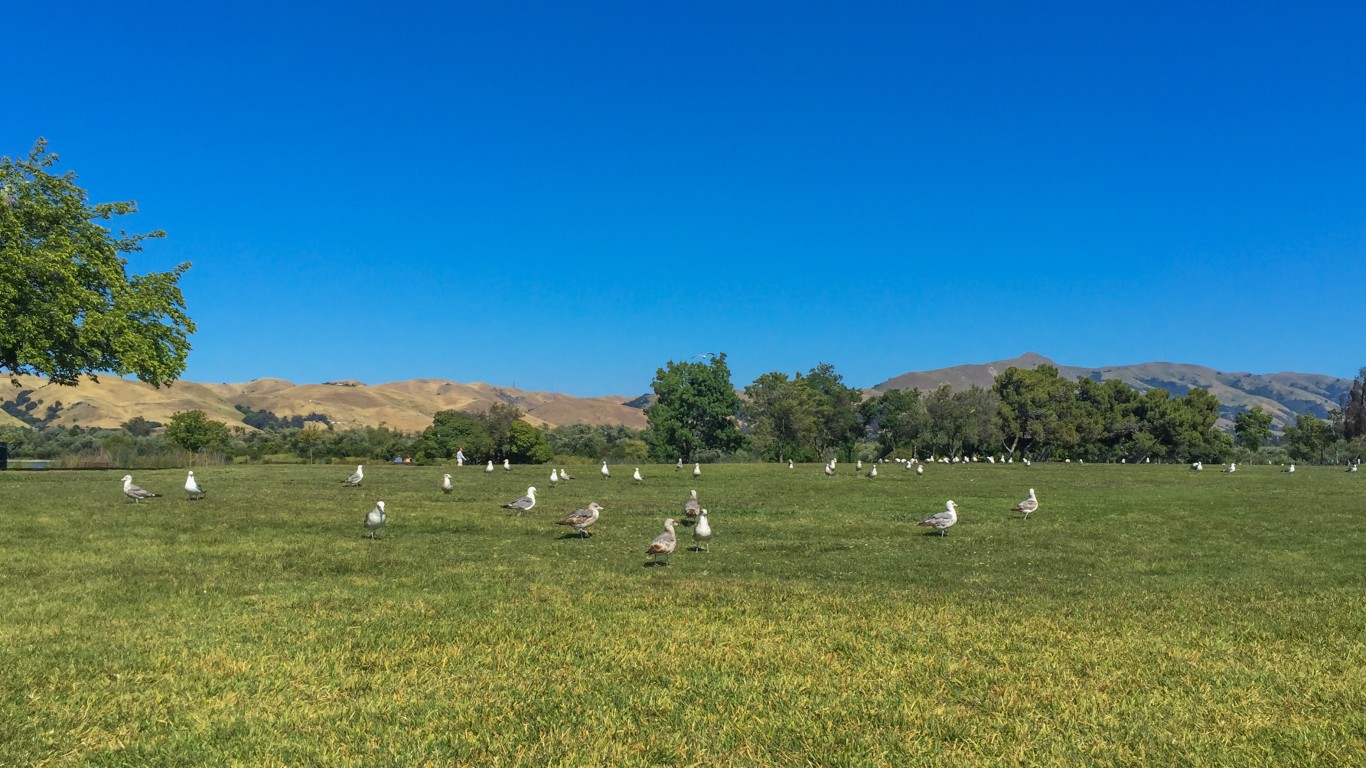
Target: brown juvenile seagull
582	518
664	543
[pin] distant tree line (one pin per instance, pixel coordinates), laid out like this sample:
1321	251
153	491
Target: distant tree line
699	416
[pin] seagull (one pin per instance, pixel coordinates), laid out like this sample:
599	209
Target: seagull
506	465
135	493
919	470
192	487
489	468
1197	466
1352	468
1231	468
690	507
679	464
554	477
663	544
525	503
636	476
1028	505
829	470
605	471
1027	462
1291	468
701	533
356	477
941	520
789	463
858	465
375	519
697	470
873	472
446	486
582	518
564	475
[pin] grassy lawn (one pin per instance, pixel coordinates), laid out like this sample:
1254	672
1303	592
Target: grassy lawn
1144	615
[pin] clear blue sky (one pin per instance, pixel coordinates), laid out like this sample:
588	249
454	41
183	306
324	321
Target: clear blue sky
564	196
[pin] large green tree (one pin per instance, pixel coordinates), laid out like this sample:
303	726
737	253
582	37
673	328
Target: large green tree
784	417
194	431
1252	427
897	419
839	410
695	410
67	306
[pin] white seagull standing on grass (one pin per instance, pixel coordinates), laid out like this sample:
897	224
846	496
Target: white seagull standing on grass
701	533
789	463
941	520
697	470
489	468
564	474
919	470
193	488
446	486
376	519
525	503
507	466
873	472
1197	467
829	470
356	477
679	464
605	471
1028	505
582	518
663	544
554	478
636	476
1290	468
135	493
1231	468
1352	468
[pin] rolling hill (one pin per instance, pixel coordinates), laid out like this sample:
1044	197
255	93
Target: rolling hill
1283	395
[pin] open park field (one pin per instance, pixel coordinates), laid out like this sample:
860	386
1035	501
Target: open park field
1144	615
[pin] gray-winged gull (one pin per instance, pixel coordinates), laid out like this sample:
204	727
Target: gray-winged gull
582	518
941	520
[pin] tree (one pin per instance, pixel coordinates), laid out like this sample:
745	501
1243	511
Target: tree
1308	438
784	417
67	307
1354	409
139	427
453	431
194	431
527	444
897	419
694	410
1252	428
1034	406
839	410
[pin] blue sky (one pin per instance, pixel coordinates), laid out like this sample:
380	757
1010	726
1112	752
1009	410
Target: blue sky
564	196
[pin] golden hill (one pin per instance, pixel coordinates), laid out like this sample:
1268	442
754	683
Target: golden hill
407	406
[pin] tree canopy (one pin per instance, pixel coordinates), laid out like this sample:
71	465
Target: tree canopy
67	306
694	410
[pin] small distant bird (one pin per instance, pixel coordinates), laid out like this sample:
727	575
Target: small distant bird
525	503
1028	505
582	518
356	477
789	463
376	519
1290	468
489	468
920	470
1231	468
664	543
193	488
691	507
554	478
941	520
858	465
446	486
873	472
135	493
1352	468
701	533
1197	466
829	470
605	471
506	465
697	470
678	464
564	475
636	476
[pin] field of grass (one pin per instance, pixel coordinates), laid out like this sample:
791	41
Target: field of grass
1144	615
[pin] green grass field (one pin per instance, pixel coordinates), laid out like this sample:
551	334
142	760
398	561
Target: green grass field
1144	615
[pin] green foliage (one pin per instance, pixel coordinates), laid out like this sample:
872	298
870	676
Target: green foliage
139	427
453	431
527	444
838	411
1309	438
1253	428
194	431
694	410
784	418
1354	409
68	307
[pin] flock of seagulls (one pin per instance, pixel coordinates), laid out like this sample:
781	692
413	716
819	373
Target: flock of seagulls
664	544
